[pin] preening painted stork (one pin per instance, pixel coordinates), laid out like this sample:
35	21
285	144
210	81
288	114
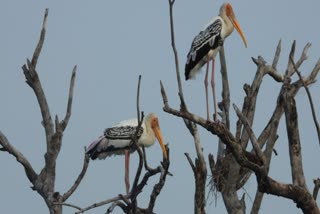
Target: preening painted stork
117	140
207	44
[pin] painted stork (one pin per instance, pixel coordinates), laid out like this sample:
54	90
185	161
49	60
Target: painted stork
207	44
117	140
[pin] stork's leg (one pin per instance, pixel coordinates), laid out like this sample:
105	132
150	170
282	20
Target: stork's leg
214	93
126	176
206	89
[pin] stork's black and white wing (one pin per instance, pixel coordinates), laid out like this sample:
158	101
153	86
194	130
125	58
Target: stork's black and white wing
114	140
122	132
206	40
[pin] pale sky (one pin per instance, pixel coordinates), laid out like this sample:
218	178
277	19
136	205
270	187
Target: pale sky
112	42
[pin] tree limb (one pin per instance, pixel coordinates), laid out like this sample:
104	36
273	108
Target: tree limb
6	146
65	121
314	116
158	187
101	203
276	56
252	136
33	81
291	116
316	188
41	41
79	179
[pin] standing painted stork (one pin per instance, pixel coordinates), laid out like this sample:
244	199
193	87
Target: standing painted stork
117	140
207	44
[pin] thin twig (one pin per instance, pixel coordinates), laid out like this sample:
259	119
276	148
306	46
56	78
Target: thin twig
70	205
110	200
138	99
289	72
158	187
276	56
316	188
80	177
251	134
314	116
176	59
41	40
65	121
225	86
304	55
114	204
190	162
140	120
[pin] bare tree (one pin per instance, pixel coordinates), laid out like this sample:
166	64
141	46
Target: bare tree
234	163
44	182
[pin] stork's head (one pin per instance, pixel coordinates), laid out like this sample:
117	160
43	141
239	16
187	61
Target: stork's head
226	10
154	122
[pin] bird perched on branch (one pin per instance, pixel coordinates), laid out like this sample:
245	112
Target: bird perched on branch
117	140
207	44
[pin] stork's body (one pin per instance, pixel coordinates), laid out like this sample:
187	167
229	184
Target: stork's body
117	140
207	44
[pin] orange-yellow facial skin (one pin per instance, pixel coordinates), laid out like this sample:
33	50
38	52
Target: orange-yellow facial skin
230	14
229	10
156	128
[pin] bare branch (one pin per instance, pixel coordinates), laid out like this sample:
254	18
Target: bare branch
190	162
79	179
249	104
158	187
135	139
299	195
315	120
291	116
225	86
276	56
223	133
33	81
41	41
253	138
138	100
316	188
6	146
108	201
304	55
119	204
69	205
257	202
274	73
65	121
289	72
176	59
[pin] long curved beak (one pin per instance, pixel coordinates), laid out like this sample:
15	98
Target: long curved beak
158	134
237	26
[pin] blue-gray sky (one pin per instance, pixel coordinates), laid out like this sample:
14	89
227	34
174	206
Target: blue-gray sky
112	42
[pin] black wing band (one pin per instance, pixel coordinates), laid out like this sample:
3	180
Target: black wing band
122	132
207	39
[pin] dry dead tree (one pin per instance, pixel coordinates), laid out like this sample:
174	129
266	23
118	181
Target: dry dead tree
44	182
234	164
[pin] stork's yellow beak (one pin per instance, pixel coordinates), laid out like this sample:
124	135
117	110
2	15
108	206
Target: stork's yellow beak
238	28
157	132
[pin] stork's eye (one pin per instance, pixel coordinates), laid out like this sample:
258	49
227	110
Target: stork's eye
154	122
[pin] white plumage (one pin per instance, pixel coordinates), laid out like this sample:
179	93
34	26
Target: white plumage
118	138
207	44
